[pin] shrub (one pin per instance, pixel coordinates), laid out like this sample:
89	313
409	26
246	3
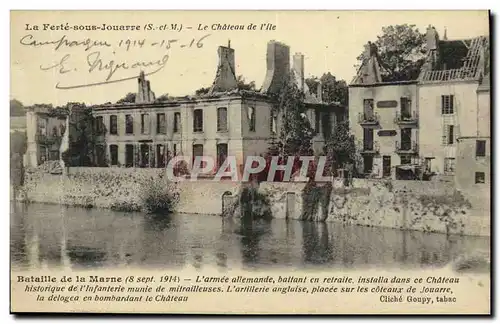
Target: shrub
253	204
125	206
159	196
314	196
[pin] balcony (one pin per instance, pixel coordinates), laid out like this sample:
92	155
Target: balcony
406	119
368	119
406	147
369	147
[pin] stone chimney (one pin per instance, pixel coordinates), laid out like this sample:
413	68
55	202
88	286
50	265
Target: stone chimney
319	92
432	38
298	69
278	67
144	93
225	77
432	42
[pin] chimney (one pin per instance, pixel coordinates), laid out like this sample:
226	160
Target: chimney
298	68
144	93
225	77
319	92
278	67
432	38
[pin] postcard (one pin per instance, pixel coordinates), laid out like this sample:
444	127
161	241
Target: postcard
250	162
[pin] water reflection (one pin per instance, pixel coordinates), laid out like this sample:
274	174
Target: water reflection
52	236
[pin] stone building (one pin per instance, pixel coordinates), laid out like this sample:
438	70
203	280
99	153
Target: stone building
473	167
45	127
411	127
224	122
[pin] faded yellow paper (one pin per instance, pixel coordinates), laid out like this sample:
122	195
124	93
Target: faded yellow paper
95	57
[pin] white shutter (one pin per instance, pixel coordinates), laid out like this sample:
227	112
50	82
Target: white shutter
445	132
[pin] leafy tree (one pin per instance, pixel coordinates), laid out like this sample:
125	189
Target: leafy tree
340	147
162	98
242	85
202	91
18	143
82	140
401	50
295	134
16	108
333	91
130	98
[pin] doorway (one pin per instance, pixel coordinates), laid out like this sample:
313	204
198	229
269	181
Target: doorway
367	164
386	166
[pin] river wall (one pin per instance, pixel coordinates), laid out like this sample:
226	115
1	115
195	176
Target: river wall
414	205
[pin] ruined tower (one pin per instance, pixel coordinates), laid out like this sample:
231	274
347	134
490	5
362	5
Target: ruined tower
144	92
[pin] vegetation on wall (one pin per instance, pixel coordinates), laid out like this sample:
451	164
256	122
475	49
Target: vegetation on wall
82	138
295	134
129	98
314	197
253	205
159	197
333	91
340	147
242	84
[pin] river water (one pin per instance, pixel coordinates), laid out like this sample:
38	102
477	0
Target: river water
50	236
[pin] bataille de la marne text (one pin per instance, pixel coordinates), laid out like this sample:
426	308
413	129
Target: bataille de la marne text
225	279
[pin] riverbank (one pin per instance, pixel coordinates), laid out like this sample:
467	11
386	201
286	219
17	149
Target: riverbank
412	205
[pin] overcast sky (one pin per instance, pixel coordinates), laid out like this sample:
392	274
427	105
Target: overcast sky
330	41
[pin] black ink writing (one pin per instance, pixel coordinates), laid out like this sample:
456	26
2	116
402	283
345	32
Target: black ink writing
87	44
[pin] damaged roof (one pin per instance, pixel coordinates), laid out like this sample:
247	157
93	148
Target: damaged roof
446	60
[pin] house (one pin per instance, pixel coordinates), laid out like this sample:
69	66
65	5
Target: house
44	132
409	127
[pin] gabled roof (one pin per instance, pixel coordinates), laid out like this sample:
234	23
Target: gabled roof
371	68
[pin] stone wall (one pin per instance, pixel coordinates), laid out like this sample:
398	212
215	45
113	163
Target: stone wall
103	187
414	205
423	206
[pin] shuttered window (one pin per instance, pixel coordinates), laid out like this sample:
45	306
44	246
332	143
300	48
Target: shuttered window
221	119
447	105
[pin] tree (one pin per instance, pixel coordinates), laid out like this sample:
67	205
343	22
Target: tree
202	91
18	143
130	98
295	136
340	147
162	98
82	140
401	50
333	91
242	85
16	108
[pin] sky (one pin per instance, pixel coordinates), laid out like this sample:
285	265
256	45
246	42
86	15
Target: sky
330	41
